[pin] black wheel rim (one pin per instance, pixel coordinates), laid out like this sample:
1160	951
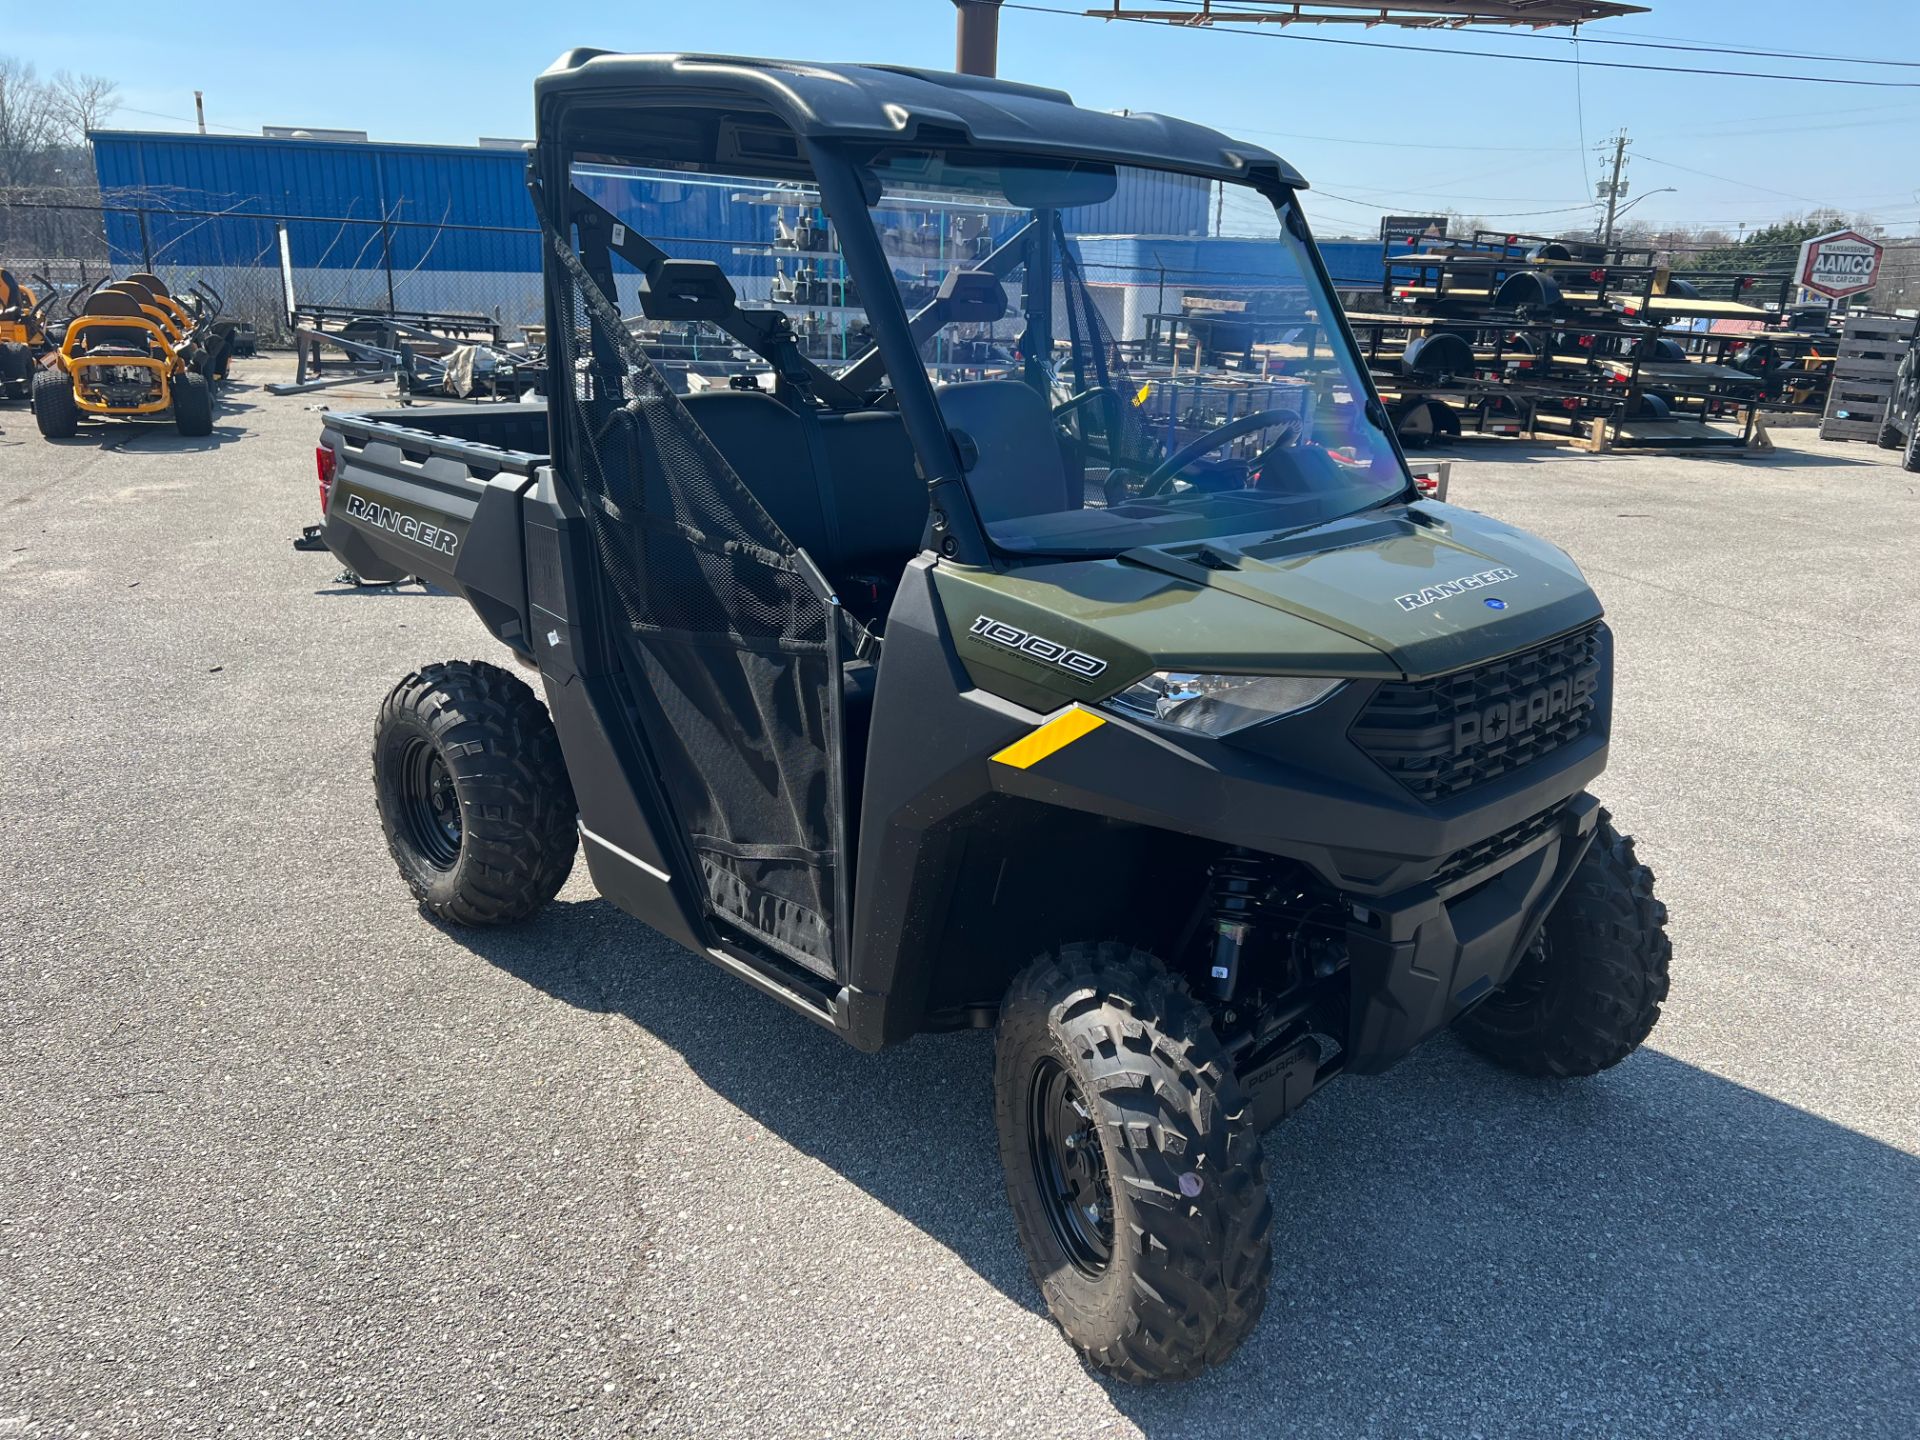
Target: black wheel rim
429	805
1070	1168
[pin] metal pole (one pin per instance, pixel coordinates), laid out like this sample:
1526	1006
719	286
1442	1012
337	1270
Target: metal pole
200	110
976	40
386	260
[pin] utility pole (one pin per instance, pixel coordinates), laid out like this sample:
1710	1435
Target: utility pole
200	110
1613	189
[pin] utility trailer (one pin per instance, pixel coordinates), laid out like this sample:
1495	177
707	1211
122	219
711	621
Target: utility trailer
1501	333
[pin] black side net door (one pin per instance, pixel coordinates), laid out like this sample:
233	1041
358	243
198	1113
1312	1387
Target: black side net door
734	654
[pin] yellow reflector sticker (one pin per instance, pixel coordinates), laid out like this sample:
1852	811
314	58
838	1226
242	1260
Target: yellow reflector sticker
1056	734
1141	398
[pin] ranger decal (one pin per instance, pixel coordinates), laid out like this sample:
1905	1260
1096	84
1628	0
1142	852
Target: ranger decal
1420	599
407	527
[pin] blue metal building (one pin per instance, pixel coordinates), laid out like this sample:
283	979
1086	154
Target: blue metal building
450	227
338	193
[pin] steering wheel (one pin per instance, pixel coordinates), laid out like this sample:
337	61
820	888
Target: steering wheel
1222	435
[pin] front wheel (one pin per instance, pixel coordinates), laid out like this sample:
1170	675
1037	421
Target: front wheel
55	410
192	404
1137	1186
1589	989
1910	460
473	793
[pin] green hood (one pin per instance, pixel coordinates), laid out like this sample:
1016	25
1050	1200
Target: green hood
1401	591
1432	587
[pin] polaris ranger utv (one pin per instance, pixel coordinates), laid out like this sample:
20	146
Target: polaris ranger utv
922	661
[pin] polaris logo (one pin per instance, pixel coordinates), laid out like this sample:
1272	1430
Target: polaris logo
407	527
1037	647
1512	719
1420	599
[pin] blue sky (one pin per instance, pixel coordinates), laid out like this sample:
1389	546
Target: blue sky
1384	129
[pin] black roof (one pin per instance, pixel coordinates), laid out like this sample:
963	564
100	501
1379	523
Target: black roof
891	102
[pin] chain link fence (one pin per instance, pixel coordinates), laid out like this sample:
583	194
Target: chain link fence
485	273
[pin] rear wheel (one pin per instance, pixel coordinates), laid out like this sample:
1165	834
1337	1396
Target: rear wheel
1137	1186
473	793
192	404
16	367
54	409
1589	989
1910	460
1890	437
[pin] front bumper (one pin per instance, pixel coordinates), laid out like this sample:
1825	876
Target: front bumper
1424	955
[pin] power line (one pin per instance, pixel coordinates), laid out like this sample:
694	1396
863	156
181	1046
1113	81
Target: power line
1470	54
1723	50
1677	43
159	115
1580	114
1729	180
1505	215
1408	145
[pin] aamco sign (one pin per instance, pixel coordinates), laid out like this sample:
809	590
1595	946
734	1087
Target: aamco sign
1838	265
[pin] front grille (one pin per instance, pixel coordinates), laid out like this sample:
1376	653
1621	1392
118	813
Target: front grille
1468	859
1442	736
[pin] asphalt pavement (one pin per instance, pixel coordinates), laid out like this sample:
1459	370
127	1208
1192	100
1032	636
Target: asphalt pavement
279	1157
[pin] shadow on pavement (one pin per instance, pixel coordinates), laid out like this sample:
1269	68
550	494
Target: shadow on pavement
1458	1250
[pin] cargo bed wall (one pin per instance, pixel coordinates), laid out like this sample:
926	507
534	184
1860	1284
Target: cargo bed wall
412	498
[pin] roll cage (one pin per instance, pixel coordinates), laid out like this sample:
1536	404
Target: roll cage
806	122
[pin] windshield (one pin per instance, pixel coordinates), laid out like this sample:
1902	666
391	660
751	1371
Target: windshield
1109	387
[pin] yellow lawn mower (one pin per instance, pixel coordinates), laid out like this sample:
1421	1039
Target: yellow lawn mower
23	336
128	353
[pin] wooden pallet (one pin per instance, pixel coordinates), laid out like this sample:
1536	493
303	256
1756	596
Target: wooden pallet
1865	364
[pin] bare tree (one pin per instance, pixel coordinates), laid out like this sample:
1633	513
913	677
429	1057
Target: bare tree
85	101
44	163
31	126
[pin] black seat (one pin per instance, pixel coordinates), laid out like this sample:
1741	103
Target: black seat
862	521
879	499
766	445
1016	467
114	339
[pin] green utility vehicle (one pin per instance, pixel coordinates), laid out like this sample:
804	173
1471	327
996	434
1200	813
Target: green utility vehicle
916	654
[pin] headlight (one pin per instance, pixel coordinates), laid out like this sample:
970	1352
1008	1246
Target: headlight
1219	704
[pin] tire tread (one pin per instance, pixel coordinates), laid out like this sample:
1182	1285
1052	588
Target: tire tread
1169	1102
517	806
1608	944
